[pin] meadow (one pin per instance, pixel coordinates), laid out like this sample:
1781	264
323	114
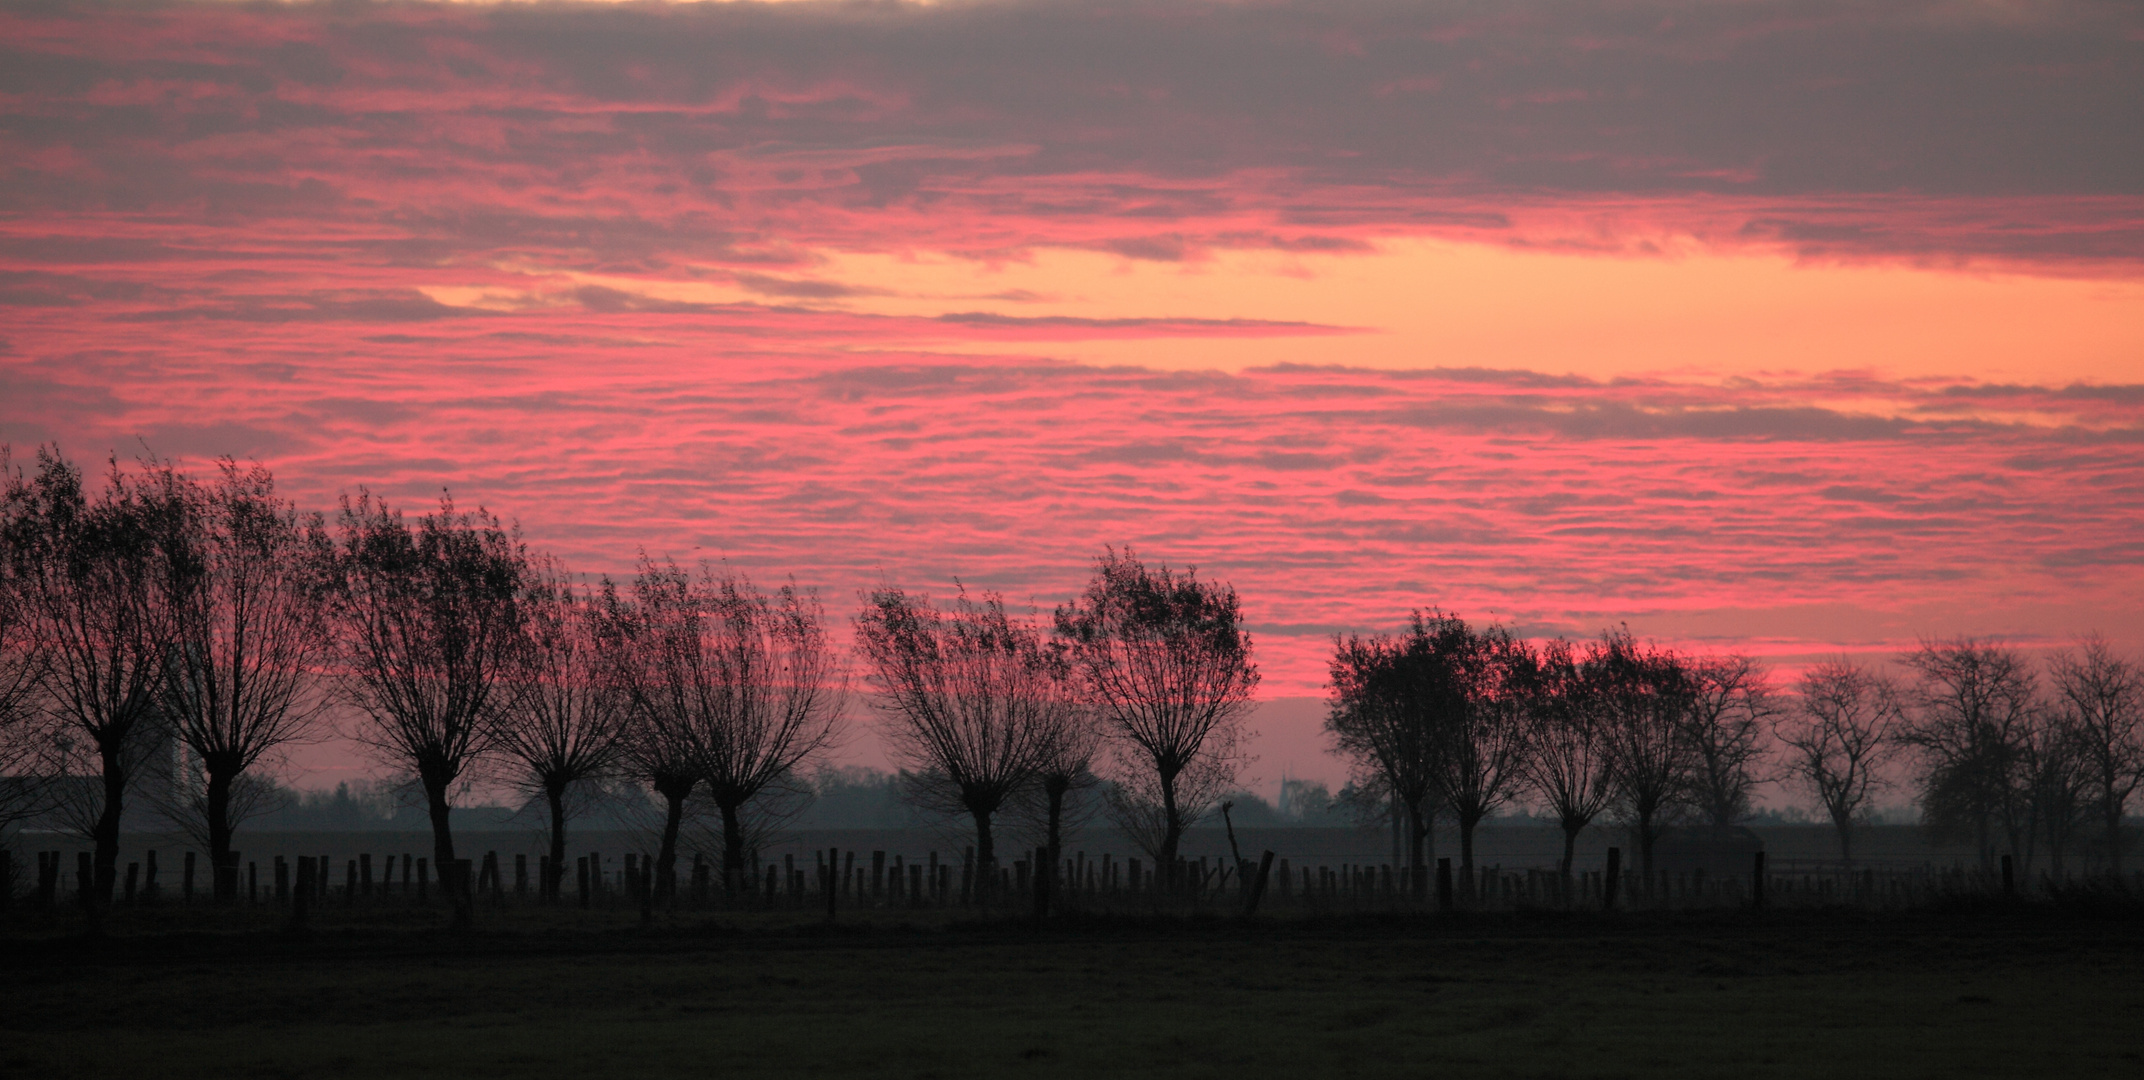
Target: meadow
1969	988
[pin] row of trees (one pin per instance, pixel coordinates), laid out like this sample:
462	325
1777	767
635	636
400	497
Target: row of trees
184	632
1448	718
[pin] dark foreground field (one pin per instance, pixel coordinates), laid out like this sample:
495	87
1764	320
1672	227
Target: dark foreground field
1982	991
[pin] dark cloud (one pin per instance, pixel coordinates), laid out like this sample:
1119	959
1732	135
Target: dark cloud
603	136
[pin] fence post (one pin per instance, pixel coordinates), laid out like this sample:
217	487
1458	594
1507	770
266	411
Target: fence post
1613	877
1257	890
301	896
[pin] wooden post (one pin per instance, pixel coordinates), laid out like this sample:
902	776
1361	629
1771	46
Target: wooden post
150	890
1257	890
301	897
1612	878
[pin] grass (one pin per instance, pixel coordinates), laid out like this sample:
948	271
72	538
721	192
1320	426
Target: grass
1977	991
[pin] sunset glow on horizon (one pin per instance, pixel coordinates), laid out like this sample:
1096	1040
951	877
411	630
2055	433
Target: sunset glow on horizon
1791	328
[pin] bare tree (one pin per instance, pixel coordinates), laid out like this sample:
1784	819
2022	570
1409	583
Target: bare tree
974	701
560	723
2057	779
1567	761
675	702
1730	707
1066	767
252	638
97	579
745	680
1386	694
2104	697
1971	707
23	653
1842	732
1646	694
428	621
1481	745
1164	660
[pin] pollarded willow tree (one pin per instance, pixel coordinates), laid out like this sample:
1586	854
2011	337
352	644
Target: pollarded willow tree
1841	732
1645	695
253	639
561	719
1731	707
976	703
745	681
1568	764
2103	695
1970	709
428	621
1481	746
96	579
1385	694
23	654
1164	660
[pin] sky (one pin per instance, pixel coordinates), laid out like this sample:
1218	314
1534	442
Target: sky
1790	328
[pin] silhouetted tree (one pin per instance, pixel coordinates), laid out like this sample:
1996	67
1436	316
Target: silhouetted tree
1480	754
2103	695
1164	661
1067	763
428	621
1730	706
1971	707
1567	759
975	701
1386	695
252	637
1646	695
97	583
2058	782
745	680
24	763
563	714
1839	736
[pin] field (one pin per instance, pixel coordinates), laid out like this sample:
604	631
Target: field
1970	990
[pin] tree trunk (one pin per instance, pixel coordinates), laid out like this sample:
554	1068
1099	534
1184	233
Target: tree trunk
1053	790
1172	832
554	884
106	832
2113	810
224	867
674	793
732	842
1645	838
1467	820
1845	824
435	795
986	877
1571	829
1417	856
